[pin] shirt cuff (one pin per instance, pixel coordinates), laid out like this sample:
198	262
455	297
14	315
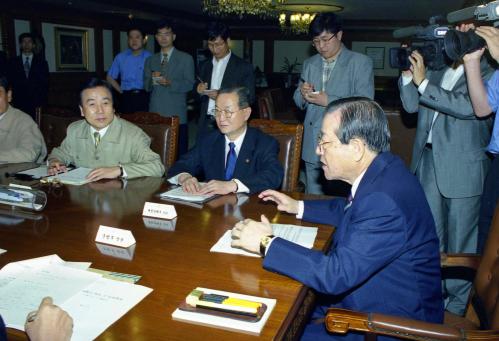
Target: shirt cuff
406	80
268	245
422	86
174	179
301	208
241	188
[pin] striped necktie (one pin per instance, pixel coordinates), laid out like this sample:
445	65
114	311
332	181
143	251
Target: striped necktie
97	138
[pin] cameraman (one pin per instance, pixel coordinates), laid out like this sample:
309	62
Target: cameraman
485	100
448	157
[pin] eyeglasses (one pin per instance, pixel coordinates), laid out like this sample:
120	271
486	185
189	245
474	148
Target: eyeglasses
213	45
321	143
317	41
217	112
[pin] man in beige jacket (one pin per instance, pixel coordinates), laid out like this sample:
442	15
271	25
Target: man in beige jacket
20	138
111	146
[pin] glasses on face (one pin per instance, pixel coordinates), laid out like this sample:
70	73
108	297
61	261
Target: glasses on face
217	112
217	45
321	143
318	41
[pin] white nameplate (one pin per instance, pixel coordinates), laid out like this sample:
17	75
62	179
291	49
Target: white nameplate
118	252
160	224
152	209
114	236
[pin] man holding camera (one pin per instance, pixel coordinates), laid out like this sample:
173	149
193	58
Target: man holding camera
448	157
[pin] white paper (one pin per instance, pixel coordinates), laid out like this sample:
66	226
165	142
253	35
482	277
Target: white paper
36	173
115	236
179	193
301	235
116	251
2	251
162	211
77	176
225	322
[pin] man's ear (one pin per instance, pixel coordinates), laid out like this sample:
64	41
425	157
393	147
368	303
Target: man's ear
339	35
358	147
9	96
81	111
247	113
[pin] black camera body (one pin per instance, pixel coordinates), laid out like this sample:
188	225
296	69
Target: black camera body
428	41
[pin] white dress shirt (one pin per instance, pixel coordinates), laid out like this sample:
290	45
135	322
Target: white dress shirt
217	75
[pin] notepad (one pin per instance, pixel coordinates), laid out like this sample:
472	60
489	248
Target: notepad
179	194
77	176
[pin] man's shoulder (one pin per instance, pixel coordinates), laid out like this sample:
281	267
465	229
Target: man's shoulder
355	57
261	138
77	126
19	116
239	60
129	127
182	54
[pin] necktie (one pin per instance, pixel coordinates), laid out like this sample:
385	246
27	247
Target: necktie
164	59
230	165
349	202
96	138
26	67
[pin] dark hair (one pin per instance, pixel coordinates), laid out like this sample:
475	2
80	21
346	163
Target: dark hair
164	23
242	94
26	35
362	118
328	22
135	28
4	83
94	83
217	29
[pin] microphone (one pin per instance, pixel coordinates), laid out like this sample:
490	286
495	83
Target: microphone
461	15
407	31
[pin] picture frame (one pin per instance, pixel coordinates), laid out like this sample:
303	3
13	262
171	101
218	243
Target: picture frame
377	54
71	49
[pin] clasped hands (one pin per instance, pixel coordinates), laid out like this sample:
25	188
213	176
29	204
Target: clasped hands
56	167
247	234
190	184
308	93
160	79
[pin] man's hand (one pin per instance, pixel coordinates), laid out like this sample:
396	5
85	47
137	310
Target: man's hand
218	187
56	167
306	88
50	323
165	82
418	68
248	234
491	36
201	87
317	98
189	183
104	173
284	202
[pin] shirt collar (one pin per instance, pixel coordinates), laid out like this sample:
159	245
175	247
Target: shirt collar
102	132
356	183
169	53
224	59
238	142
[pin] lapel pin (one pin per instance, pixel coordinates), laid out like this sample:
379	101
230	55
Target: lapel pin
247	160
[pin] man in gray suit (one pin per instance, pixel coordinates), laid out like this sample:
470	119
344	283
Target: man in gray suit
169	75
448	157
335	72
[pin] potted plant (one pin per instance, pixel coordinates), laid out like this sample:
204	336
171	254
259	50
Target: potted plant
289	68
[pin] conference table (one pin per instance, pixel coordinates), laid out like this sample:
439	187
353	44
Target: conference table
173	257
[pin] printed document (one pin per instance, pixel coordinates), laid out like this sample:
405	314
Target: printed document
179	194
77	176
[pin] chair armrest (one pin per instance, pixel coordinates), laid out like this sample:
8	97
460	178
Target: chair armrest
342	320
467	260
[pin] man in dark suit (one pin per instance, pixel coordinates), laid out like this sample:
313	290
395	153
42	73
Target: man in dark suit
233	159
225	70
28	74
385	254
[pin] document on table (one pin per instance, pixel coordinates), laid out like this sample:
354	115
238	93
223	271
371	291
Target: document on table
254	328
93	302
36	173
304	236
179	194
77	176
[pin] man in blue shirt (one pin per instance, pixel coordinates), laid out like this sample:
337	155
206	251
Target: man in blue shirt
129	67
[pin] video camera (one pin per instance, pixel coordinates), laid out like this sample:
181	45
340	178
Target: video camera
426	40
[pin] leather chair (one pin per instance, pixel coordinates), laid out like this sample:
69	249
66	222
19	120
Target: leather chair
290	138
481	321
53	124
163	132
264	108
273	105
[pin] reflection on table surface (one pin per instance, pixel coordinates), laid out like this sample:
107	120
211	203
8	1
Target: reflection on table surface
172	257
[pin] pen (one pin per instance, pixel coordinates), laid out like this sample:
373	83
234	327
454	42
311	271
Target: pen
199	78
302	80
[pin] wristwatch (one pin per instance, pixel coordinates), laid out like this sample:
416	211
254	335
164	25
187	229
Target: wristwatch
264	242
121	171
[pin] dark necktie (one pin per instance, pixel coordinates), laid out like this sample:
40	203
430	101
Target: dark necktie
349	202
230	164
26	67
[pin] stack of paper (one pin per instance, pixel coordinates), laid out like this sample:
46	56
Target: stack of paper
77	176
93	301
179	194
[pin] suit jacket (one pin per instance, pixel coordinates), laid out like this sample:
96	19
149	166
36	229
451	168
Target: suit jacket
352	76
123	143
3	331
385	254
257	165
20	138
238	73
170	100
459	138
28	92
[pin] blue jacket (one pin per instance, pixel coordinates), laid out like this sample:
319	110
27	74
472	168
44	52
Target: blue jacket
257	165
385	254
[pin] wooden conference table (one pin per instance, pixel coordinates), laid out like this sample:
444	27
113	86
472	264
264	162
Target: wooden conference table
170	262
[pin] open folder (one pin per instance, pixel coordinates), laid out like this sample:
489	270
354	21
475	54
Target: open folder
77	176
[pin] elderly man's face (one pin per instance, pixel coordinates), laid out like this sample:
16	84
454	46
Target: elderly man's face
231	120
337	159
5	98
97	107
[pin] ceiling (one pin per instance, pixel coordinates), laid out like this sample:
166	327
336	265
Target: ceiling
353	10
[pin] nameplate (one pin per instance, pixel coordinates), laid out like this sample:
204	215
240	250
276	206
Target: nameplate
160	224
152	209
114	236
117	252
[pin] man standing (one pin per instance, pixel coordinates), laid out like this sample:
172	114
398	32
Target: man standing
225	70
234	158
169	75
335	72
112	146
384	257
20	138
448	158
129	67
28	75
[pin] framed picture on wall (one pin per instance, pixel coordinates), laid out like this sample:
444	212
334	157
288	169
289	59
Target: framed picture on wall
71	49
377	54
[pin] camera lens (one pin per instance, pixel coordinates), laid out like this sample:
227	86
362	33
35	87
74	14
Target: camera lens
457	43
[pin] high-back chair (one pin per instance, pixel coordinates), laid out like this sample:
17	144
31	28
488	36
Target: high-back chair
290	138
163	132
53	124
481	321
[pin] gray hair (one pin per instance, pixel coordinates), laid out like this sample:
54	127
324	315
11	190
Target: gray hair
242	95
362	118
